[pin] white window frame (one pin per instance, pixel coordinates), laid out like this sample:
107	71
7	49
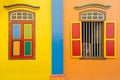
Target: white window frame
16	15
85	16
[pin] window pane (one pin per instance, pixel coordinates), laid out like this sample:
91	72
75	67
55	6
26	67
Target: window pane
16	48
89	17
13	14
13	17
16	30
83	17
25	14
19	17
27	48
95	13
29	16
27	31
89	14
19	14
100	14
95	17
24	17
100	17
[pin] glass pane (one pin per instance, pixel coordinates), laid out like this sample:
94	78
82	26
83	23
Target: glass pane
100	14
95	13
89	17
83	17
19	14
89	14
24	17
13	17
24	14
29	15
16	48
94	17
27	48
19	17
27	31
16	30
100	17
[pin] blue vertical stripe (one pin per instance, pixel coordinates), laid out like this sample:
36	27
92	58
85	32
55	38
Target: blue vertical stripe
16	30
57	37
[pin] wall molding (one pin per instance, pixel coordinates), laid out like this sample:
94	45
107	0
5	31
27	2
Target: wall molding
12	6
93	5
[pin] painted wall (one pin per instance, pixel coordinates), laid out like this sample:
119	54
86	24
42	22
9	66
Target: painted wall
76	69
40	67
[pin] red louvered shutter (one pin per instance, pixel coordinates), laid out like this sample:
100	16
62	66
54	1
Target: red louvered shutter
76	38
110	40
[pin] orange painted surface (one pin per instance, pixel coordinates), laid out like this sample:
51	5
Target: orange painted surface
16	48
77	69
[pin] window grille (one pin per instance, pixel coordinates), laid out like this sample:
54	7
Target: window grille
92	39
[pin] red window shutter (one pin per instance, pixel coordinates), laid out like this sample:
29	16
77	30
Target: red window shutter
110	39
76	44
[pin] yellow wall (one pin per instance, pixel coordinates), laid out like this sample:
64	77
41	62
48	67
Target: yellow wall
40	68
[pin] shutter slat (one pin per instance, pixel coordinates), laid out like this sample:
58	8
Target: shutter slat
110	48
76	30
109	30
76	47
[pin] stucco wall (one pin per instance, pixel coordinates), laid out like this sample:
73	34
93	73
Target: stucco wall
76	69
40	67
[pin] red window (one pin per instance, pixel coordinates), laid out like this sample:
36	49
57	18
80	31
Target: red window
21	35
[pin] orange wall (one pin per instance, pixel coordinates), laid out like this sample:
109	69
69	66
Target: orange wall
76	69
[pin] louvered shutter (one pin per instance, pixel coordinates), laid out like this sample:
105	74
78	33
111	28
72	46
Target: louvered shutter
109	39
76	40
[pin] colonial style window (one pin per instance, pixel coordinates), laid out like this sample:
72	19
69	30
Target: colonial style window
21	35
92	36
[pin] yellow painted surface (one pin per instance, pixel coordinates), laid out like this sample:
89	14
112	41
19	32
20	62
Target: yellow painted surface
40	67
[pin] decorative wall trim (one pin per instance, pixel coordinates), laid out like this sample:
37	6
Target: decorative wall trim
21	6
57	38
93	5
